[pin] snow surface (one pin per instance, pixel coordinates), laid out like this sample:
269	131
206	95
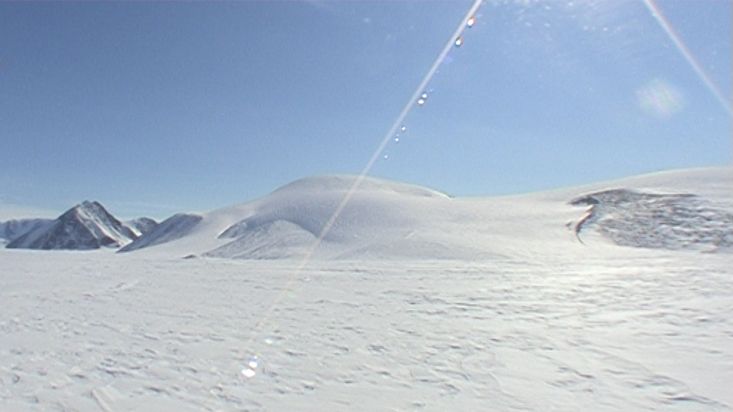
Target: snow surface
516	314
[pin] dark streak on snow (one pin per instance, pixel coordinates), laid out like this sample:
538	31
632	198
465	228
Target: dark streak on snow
657	221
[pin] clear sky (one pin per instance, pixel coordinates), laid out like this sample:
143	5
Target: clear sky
156	108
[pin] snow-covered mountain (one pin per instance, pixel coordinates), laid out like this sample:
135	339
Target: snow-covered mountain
12	229
173	228
87	225
141	225
687	209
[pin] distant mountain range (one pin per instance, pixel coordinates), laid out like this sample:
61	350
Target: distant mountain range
676	210
13	229
85	226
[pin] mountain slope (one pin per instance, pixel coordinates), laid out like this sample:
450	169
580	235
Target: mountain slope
141	225
12	229
175	227
85	226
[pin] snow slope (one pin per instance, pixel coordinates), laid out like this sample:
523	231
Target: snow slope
691	209
175	227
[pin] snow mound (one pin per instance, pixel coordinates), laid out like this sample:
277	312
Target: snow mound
344	183
659	221
289	221
85	226
375	207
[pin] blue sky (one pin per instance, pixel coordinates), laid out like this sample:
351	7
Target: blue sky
154	108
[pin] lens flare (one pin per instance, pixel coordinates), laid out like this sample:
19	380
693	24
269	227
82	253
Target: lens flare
398	124
687	54
659	99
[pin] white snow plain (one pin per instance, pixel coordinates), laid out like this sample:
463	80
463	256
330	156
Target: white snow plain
514	313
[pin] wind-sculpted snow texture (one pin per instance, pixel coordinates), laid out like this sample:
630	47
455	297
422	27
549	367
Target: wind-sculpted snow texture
116	332
665	221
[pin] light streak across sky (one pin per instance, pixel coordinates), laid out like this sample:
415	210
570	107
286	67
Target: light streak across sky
676	39
467	21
